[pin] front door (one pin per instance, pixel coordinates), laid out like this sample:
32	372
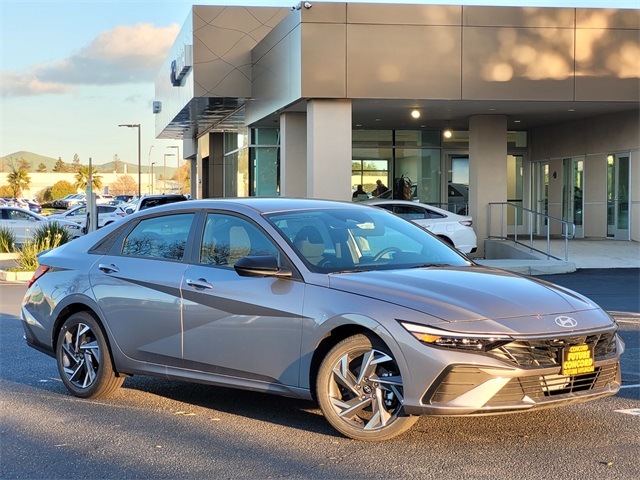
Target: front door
618	196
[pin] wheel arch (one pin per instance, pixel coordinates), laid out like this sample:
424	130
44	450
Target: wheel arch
446	239
335	336
73	306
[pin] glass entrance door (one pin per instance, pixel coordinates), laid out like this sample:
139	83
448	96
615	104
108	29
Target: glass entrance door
458	183
514	193
541	196
572	200
618	196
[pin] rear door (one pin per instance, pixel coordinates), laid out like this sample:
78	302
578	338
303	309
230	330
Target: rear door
137	286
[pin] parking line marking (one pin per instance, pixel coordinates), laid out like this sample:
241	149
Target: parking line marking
630	411
630	386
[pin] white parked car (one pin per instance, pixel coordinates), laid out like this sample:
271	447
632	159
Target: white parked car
456	230
24	223
106	214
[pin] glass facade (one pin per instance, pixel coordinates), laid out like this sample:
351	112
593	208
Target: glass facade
405	161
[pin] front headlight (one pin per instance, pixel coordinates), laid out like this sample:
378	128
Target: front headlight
72	227
436	337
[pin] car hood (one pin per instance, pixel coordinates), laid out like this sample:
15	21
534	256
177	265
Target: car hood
475	294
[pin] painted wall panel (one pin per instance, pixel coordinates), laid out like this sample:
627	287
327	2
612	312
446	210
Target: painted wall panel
404	14
324	62
528	17
517	63
607	65
403	61
607	18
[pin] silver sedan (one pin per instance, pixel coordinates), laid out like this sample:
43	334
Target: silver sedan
363	311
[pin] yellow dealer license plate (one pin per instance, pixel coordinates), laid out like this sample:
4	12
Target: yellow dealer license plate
577	359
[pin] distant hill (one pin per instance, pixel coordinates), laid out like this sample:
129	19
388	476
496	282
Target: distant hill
35	160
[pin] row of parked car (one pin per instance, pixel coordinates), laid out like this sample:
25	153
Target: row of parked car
456	230
74	199
23	221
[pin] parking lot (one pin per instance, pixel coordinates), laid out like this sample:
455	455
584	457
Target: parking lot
155	428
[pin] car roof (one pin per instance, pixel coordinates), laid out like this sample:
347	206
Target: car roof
260	204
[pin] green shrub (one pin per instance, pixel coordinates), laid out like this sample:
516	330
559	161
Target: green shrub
7	240
50	231
46	237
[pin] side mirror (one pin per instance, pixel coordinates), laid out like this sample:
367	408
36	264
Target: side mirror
260	266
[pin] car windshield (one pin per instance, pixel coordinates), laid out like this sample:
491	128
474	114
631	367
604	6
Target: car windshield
355	239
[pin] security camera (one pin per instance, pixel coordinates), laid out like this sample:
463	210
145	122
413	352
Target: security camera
307	5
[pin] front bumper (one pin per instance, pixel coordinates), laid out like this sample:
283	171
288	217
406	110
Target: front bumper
522	382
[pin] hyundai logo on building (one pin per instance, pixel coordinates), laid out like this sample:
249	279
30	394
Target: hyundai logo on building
181	65
566	322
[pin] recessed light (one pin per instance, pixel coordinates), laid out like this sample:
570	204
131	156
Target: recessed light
415	113
571	110
492	109
378	119
516	121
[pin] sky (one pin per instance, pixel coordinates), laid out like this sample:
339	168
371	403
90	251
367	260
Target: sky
72	71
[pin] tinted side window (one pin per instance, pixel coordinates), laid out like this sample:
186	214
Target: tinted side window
226	239
159	237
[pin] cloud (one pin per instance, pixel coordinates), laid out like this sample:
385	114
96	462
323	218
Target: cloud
125	54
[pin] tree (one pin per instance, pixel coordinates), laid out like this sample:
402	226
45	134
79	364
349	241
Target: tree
82	178
5	191
124	185
61	189
24	165
60	166
42	168
75	166
116	164
19	180
182	175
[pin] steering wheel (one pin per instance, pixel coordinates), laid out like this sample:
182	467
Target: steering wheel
385	251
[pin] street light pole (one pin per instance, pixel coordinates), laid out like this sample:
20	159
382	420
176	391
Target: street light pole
137	125
178	172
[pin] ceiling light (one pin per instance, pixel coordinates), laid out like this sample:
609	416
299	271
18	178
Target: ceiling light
447	133
415	113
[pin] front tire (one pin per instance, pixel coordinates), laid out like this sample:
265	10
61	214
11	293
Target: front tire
83	358
360	390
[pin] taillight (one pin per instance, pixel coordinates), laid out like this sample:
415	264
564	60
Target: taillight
40	271
467	223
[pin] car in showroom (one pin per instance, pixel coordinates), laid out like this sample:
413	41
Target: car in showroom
456	230
358	309
24	223
107	214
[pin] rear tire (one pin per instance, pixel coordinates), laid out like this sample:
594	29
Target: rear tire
360	390
84	361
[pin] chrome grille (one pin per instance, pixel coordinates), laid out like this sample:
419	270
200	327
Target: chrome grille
546	353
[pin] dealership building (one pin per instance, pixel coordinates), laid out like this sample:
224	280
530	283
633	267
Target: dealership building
509	113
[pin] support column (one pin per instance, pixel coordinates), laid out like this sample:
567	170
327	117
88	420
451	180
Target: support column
487	172
216	166
329	149
293	155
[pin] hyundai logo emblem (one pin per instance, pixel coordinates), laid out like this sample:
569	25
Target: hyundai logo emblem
566	322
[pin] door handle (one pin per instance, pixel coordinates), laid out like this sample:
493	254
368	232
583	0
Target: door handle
199	284
108	268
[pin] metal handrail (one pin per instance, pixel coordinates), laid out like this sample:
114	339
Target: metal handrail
568	228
